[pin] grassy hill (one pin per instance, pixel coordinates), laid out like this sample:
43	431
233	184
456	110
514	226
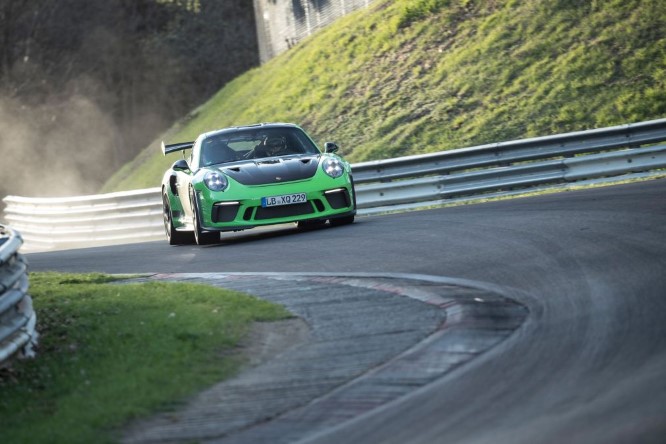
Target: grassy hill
415	76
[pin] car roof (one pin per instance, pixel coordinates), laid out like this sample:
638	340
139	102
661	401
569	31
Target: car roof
257	125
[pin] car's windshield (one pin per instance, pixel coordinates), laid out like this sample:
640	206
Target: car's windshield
255	143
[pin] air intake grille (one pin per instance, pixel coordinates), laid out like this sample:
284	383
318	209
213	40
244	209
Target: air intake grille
224	213
283	211
339	199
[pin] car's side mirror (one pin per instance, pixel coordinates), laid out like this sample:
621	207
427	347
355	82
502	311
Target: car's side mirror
330	147
180	165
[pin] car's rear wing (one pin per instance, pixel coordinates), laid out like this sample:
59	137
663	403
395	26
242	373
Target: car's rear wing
167	149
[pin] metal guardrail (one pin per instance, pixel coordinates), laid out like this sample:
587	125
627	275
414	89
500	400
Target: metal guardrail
496	169
104	219
17	318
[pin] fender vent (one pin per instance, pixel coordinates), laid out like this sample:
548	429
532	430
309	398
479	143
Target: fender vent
172	185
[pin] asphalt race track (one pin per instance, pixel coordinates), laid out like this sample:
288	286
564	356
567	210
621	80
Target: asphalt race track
588	365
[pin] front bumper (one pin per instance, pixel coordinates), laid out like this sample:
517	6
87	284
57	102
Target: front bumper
229	214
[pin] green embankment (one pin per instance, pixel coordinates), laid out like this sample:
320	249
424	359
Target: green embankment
111	353
415	76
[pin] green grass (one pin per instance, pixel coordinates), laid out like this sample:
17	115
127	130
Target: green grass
110	353
408	77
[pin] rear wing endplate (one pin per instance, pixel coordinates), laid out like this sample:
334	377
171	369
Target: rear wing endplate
167	149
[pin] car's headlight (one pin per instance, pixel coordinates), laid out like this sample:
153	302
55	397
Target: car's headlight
333	167
216	181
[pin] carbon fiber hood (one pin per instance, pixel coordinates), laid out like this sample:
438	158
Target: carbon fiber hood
273	170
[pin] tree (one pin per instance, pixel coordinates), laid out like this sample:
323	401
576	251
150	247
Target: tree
95	82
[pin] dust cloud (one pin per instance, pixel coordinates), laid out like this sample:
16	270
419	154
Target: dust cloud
67	147
56	149
84	86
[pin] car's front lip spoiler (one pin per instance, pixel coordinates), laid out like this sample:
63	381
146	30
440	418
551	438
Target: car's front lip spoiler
247	227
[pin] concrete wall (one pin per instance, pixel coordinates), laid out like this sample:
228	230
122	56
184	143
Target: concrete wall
283	23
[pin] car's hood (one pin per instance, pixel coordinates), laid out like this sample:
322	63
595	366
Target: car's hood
273	169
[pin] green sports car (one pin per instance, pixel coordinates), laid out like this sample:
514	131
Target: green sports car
243	177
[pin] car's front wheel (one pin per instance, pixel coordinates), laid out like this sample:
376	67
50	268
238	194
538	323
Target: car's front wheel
174	237
202	237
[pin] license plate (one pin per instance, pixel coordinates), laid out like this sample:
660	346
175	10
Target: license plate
285	199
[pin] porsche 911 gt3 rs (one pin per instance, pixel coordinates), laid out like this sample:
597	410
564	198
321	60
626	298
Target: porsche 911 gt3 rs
243	177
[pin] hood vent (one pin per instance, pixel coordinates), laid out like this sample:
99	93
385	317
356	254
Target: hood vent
270	171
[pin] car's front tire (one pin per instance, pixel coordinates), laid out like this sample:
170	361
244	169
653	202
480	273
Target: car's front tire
200	236
174	237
